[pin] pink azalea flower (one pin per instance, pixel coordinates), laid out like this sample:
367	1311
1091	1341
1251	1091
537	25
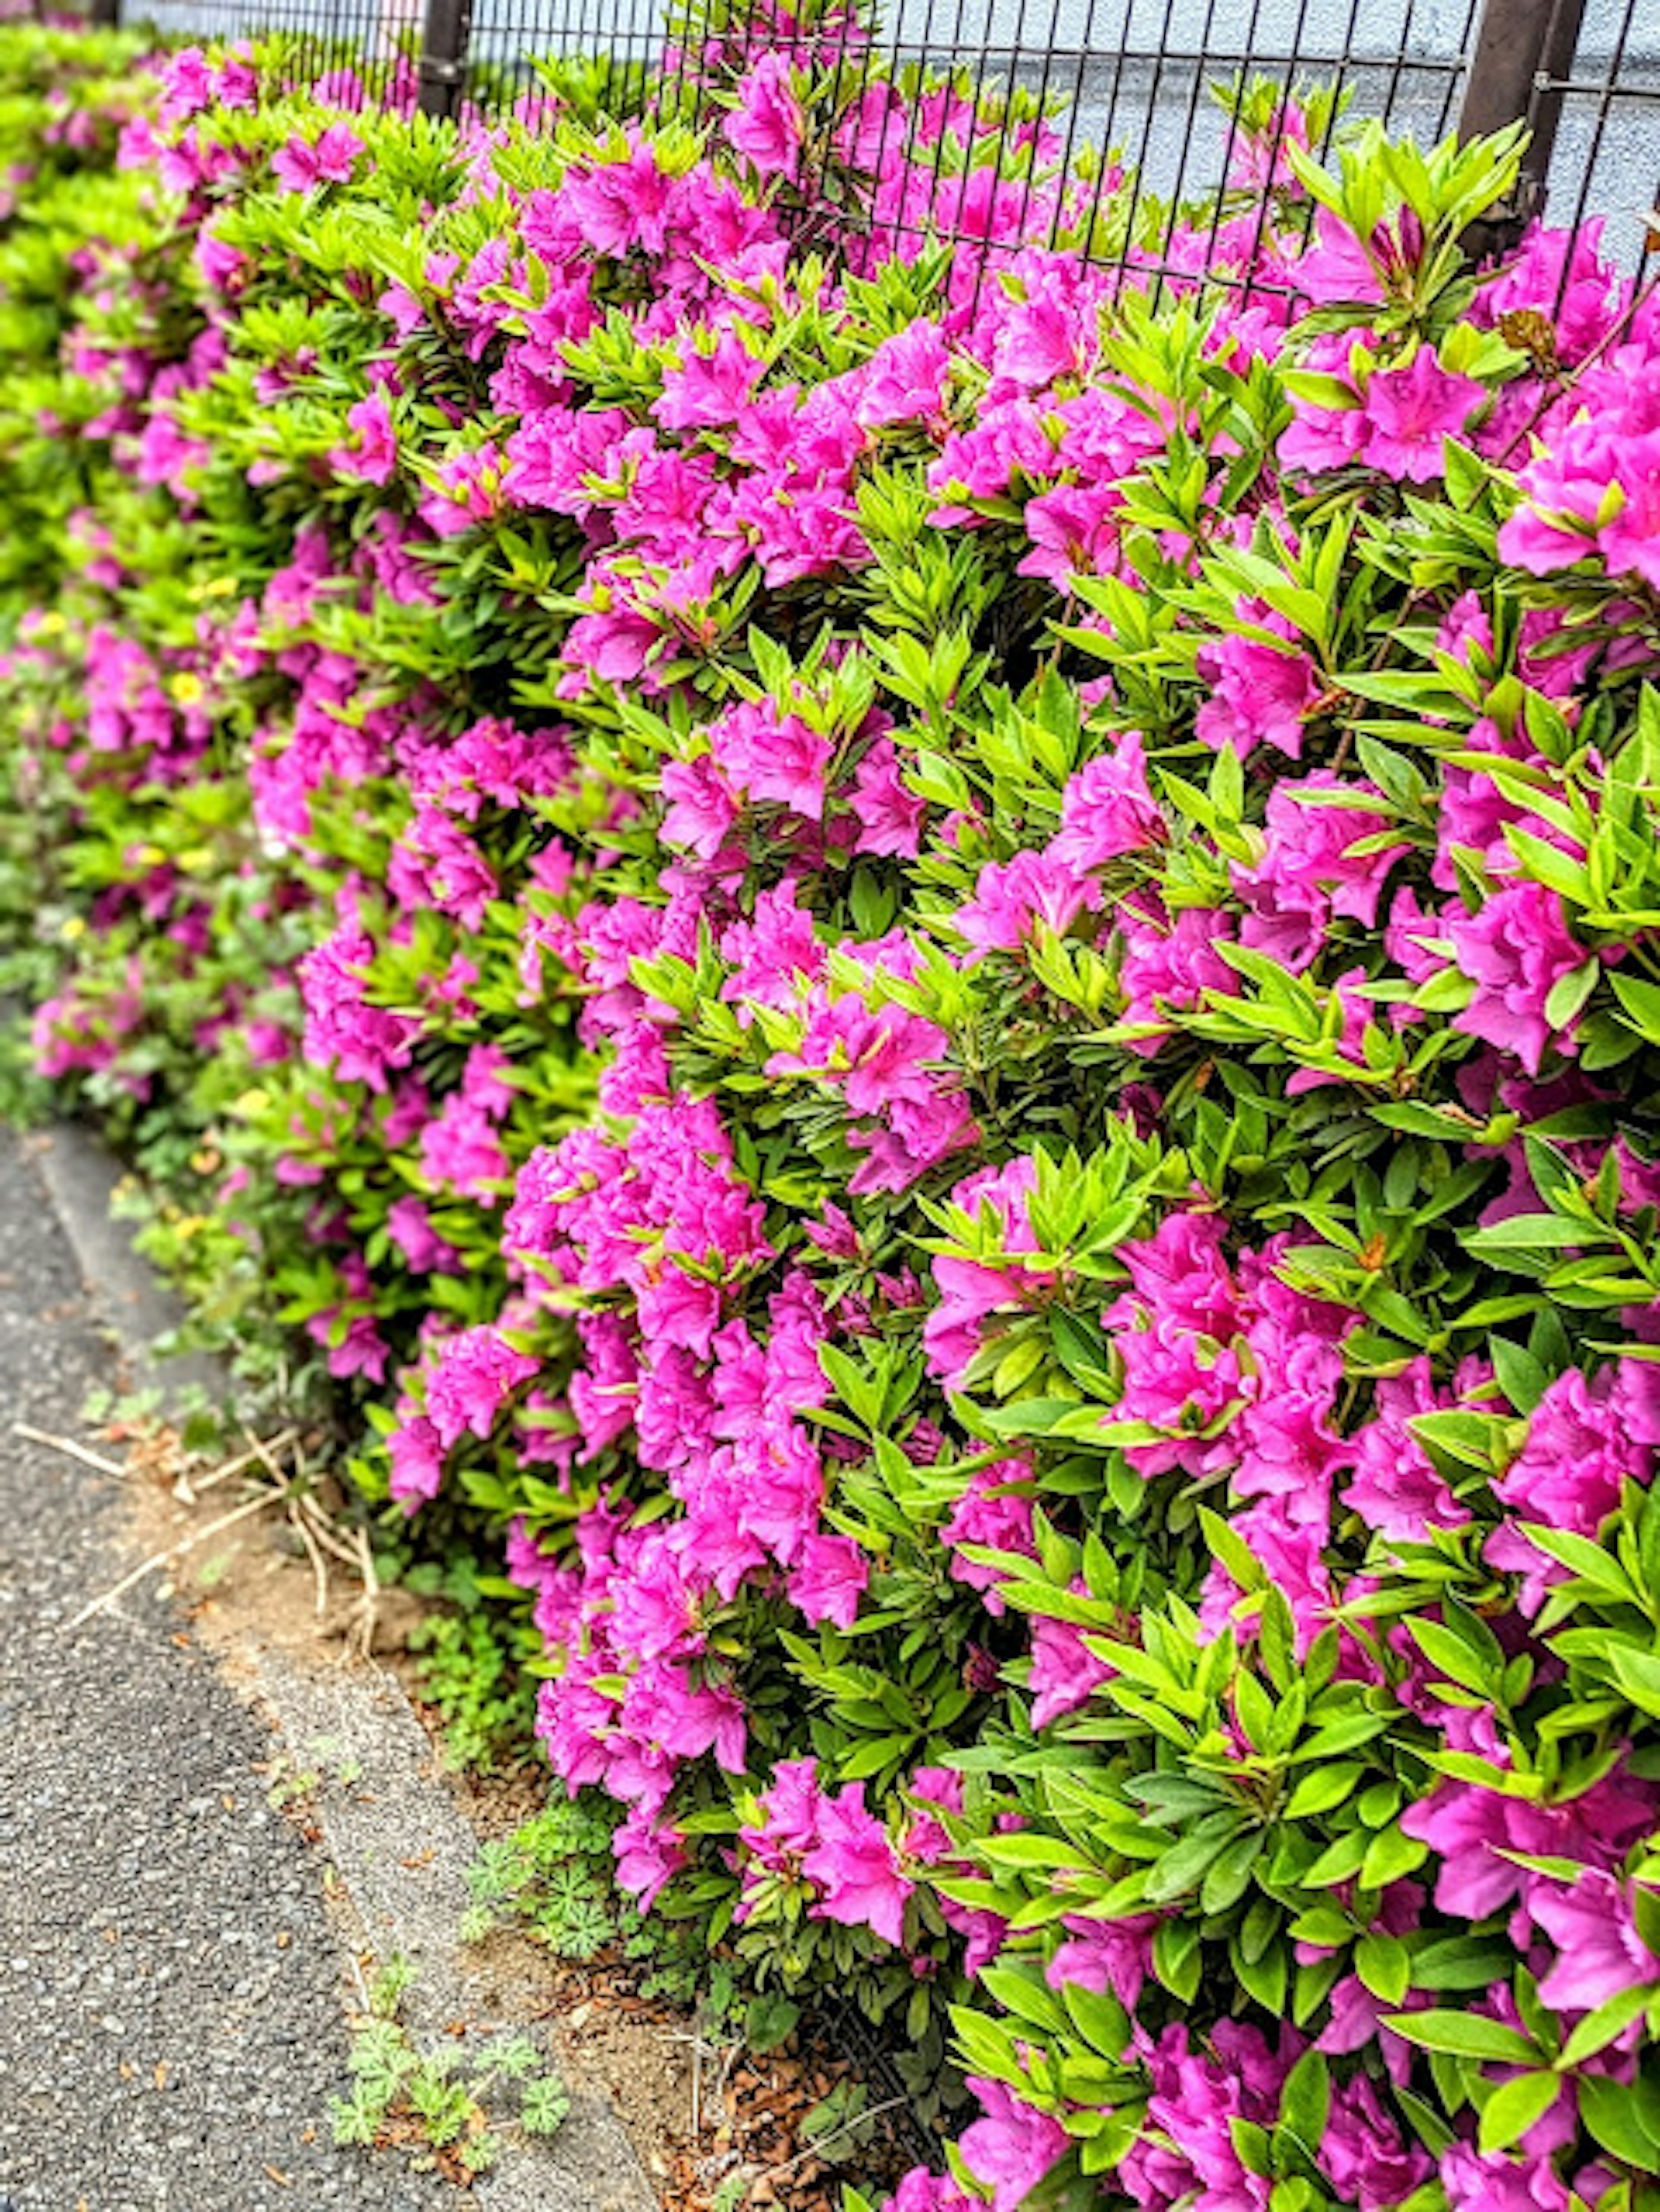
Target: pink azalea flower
708	389
1105	1955
329	159
187	86
1107	809
1167	969
649	1853
767	126
417	1459
1315	866
852	1862
993	1514
701	810
890	817
790	1806
619	206
905	378
1365	2153
776	956
1394	1487
1011	2147
880	1056
767	755
1476	1833
1260	695
1410	411
1073	531
1515	950
1630	540
1065	1673
1476	2181
828	1579
922	2191
410	1227
1010	895
372	457
476	1372
971	1290
1600	1953
1257	160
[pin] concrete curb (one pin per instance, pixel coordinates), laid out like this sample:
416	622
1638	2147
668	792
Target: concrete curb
401	1852
82	1180
397	1843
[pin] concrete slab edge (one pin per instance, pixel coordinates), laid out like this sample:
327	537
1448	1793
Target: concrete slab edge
82	1179
397	1843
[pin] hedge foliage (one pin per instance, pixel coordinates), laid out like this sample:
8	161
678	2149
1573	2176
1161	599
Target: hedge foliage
934	974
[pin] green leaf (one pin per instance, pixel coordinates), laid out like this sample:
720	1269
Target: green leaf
769	2021
1533	1232
1185	1865
1569	993
1451	1657
1514	2107
1384	1964
1263	1979
1599	2028
1463	2035
1323	1788
1177	1958
1305	2099
1638	1674
1228	1876
1609	2111
1459	1962
1639	1002
1099	2018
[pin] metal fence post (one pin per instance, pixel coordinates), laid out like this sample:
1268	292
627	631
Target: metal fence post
104	14
444	38
1523	50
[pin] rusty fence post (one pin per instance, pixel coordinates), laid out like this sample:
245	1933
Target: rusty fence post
1523	51
445	35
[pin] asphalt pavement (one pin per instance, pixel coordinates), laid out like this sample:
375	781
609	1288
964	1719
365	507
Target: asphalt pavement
172	2026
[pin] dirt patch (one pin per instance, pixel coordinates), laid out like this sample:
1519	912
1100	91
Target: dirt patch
265	1579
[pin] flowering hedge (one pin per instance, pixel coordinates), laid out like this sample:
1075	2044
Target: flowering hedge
937	973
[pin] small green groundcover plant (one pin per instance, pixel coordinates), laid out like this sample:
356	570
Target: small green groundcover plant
447	2108
927	980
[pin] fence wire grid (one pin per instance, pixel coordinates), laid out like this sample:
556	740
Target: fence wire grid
1141	94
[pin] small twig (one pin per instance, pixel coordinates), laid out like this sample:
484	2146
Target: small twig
69	1448
329	1537
368	1606
318	1567
176	1551
371	1580
816	2150
266	1454
197	1483
697	2084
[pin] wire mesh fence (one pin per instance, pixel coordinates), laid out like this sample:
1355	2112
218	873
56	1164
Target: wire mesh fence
1132	131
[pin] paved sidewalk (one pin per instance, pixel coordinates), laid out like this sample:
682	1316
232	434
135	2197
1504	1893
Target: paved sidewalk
171	2024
